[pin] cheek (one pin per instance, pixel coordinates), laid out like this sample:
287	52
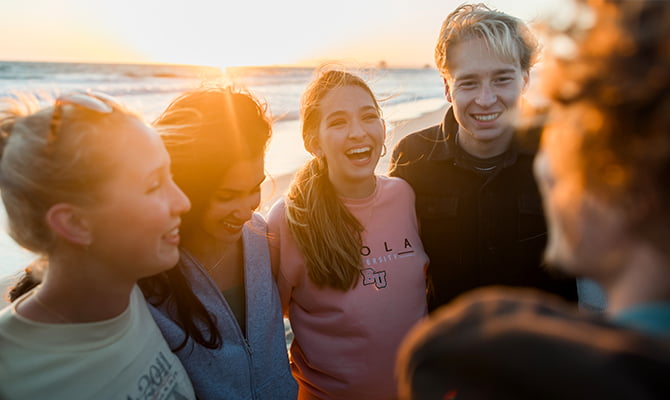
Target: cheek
512	95
215	212
378	132
255	200
566	214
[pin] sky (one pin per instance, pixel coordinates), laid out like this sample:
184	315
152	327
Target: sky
226	33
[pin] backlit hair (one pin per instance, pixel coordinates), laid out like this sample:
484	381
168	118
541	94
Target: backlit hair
508	37
35	173
206	131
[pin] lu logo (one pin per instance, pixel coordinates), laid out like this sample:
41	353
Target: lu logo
370	276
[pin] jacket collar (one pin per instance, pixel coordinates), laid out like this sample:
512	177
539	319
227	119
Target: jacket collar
446	148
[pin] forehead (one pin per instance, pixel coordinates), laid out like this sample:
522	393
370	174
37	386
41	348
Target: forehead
138	150
243	175
476	56
348	98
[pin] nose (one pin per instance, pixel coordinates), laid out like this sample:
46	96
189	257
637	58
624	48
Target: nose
179	202
356	130
486	96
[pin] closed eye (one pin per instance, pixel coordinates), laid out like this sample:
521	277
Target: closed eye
467	84
504	79
337	122
155	185
370	117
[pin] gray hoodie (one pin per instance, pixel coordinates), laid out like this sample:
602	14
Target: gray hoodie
251	367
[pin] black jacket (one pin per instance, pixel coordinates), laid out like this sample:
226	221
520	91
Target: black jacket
477	229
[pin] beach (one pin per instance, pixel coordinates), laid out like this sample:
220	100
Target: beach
272	189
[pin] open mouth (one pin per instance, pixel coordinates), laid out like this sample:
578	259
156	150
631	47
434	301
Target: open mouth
360	153
486	117
172	236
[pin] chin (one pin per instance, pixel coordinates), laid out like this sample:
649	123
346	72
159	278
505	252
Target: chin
561	261
169	261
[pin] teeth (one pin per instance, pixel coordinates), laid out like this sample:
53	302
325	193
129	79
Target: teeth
359	150
232	226
487	117
173	232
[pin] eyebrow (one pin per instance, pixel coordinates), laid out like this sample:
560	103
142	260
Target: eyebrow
338	113
501	71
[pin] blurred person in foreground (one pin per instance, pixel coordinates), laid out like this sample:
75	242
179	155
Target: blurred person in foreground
478	204
603	171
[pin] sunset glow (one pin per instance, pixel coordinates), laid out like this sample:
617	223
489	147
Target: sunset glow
225	33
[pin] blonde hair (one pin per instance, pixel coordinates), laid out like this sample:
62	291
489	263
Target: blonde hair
37	172
508	37
326	232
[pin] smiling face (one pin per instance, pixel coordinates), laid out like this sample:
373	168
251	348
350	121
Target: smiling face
485	93
234	201
351	137
135	225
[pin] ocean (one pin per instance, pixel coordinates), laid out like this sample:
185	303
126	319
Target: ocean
149	88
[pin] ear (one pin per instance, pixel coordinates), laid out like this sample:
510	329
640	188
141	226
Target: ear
68	222
447	95
314	148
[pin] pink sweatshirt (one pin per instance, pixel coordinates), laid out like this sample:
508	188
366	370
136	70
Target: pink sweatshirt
345	343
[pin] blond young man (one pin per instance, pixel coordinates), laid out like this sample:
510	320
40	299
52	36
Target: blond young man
479	207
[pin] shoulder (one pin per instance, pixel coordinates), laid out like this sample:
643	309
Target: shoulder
257	222
276	214
392	185
419	142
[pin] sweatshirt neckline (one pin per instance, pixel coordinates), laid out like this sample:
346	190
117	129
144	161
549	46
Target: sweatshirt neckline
362	201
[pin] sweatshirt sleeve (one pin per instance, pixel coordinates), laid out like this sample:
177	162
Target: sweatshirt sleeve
278	235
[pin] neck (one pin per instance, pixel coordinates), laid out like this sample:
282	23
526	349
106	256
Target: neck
484	149
223	261
645	278
356	190
207	249
78	293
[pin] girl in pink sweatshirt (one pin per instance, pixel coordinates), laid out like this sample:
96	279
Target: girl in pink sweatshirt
345	249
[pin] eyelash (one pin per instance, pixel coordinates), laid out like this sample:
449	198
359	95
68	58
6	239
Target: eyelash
157	184
336	123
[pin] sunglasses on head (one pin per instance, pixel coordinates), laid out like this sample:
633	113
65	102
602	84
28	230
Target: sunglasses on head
97	102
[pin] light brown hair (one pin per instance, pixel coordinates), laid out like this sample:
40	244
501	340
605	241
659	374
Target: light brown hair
327	234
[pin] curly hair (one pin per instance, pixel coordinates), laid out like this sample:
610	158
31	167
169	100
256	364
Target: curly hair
609	80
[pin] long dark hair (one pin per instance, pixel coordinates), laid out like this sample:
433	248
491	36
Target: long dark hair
205	131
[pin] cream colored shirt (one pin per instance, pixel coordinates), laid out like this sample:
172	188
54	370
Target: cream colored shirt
122	358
